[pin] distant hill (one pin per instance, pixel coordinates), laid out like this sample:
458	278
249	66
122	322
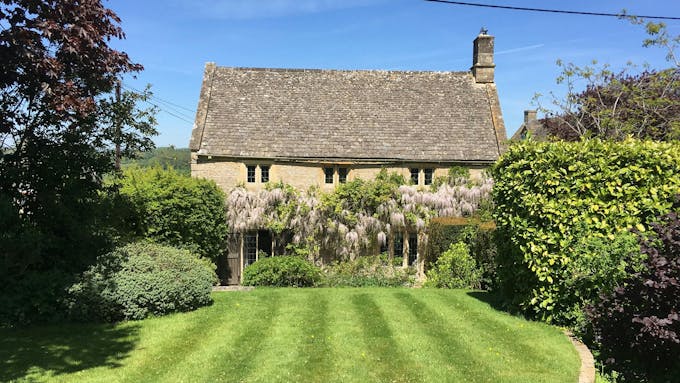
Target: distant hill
165	156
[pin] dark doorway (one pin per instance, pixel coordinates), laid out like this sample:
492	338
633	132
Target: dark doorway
264	242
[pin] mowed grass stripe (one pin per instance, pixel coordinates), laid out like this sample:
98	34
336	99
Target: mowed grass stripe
315	360
391	362
345	337
449	356
228	355
503	340
296	349
166	343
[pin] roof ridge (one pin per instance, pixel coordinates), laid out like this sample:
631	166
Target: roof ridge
264	69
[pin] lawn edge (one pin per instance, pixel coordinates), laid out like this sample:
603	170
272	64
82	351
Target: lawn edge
587	372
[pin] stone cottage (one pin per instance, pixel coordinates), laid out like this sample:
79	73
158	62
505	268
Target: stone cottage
309	127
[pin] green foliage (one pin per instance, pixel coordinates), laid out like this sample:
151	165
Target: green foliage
176	209
454	269
598	266
362	196
33	297
285	271
636	325
58	65
546	192
477	235
457	175
164	157
139	280
369	271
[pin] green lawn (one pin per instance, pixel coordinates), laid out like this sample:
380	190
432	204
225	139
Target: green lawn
302	335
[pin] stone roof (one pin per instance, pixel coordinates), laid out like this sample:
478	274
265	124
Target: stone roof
354	115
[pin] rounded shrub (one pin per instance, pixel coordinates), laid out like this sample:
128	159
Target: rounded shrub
454	269
139	280
281	272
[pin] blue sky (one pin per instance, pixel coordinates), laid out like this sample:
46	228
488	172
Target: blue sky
174	39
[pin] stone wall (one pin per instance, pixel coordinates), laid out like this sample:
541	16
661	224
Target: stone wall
228	173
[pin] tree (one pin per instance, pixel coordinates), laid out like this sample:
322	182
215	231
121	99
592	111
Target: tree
614	105
129	126
54	148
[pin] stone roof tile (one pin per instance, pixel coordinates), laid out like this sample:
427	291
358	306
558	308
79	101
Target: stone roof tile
353	114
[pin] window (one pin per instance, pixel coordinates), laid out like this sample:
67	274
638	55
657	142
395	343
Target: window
328	172
428	176
342	175
251	173
250	255
264	173
414	175
398	245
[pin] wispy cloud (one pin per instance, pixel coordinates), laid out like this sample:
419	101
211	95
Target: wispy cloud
520	49
255	9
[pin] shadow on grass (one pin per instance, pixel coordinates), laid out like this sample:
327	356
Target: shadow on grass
492	299
63	349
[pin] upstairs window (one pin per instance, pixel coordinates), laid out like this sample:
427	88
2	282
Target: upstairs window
328	172
428	176
251	173
264	173
414	175
342	175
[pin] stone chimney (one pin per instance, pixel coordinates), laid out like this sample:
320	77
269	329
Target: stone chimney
529	116
482	58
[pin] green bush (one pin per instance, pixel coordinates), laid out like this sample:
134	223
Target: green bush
545	193
636	325
454	269
33	297
369	271
281	272
599	266
477	235
175	209
139	280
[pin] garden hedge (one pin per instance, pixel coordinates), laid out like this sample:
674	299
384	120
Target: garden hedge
550	195
175	209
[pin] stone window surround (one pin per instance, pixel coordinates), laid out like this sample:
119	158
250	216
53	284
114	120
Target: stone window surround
425	175
340	174
258	176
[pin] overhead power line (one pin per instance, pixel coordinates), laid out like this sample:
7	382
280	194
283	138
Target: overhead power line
166	106
553	10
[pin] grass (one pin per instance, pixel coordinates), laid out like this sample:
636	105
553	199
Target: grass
301	335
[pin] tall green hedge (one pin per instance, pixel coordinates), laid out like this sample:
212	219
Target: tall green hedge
549	196
175	209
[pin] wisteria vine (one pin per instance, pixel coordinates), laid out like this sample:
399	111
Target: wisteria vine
341	225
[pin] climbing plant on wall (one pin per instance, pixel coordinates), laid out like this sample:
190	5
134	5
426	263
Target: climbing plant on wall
356	217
